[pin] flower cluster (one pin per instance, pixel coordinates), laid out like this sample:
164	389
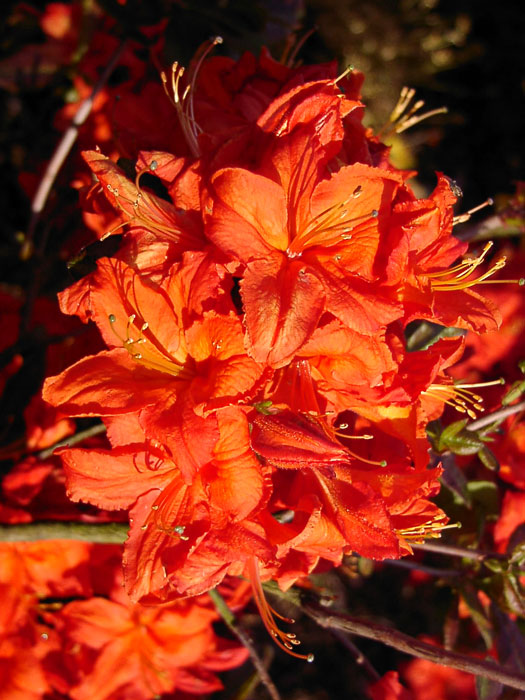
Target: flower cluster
264	415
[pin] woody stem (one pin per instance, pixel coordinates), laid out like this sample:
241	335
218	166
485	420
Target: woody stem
75	439
100	533
415	647
497	416
230	620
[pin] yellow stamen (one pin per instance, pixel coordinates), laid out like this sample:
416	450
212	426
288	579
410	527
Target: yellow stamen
145	208
456	277
284	640
183	103
460	396
404	115
331	226
466	216
347	71
344	426
146	351
432	529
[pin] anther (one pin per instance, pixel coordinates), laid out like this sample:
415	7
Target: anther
466	216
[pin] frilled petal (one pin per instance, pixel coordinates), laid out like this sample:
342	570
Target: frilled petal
363	307
283	302
346	359
188	437
115	478
106	384
319	104
127	309
235	479
173	519
248	215
361	516
142	209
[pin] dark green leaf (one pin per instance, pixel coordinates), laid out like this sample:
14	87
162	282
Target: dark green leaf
488	459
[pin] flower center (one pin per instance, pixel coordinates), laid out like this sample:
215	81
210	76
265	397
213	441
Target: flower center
146	351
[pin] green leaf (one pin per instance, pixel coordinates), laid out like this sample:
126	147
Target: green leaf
477	612
488	458
420	335
515	391
487	689
450	432
485	495
454	479
465	444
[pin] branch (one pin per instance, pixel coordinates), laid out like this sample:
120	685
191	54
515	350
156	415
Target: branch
461	552
97	429
65	145
497	416
101	533
230	620
430	570
415	647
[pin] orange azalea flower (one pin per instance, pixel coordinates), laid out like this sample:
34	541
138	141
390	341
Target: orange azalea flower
174	370
389	688
307	244
173	521
125	650
421	261
376	507
429	681
157	232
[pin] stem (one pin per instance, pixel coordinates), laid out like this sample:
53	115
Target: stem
462	552
497	416
101	533
358	655
415	647
98	429
230	620
65	145
430	570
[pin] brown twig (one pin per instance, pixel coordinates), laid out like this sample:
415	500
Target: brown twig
358	655
98	429
230	620
461	552
415	647
496	417
100	533
66	143
417	566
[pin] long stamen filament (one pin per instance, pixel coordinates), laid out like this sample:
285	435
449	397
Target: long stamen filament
171	232
149	358
330	226
183	102
460	396
429	530
457	277
404	115
461	218
285	640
